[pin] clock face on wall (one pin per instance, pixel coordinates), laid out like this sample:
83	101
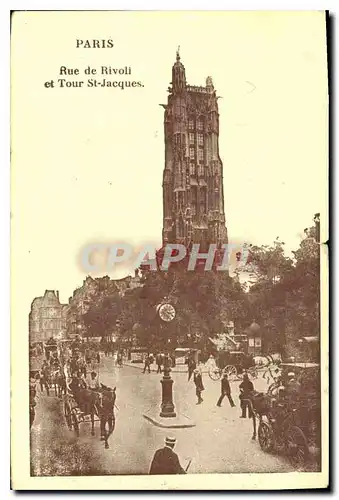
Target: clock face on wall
166	312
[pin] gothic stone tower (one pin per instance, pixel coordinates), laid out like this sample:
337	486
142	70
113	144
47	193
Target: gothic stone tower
193	197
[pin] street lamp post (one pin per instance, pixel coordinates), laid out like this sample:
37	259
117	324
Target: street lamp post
167	405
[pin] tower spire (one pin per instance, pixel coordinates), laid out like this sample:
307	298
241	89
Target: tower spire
178	74
193	196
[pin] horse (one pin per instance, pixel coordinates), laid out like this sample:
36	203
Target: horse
106	412
259	404
88	402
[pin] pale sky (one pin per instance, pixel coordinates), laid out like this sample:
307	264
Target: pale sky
87	163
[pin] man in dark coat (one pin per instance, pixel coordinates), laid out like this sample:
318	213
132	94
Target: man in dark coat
246	387
147	364
158	361
199	386
165	461
191	367
225	391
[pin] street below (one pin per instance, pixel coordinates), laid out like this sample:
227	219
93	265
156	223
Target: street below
219	443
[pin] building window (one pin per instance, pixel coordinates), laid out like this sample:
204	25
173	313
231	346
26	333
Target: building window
201	170
191	138
193	198
193	211
192	169
200	154
191	124
200	139
202	201
192	153
200	125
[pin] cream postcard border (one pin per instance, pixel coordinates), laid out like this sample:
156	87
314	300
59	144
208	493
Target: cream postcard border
20	433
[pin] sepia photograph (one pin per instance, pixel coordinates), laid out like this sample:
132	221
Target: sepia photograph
169	228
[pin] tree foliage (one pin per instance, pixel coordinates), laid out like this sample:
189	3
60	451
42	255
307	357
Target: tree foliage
282	295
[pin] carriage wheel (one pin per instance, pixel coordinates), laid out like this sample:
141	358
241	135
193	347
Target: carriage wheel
231	371
296	446
68	415
75	423
265	437
215	373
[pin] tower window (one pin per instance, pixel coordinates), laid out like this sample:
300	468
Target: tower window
203	201
192	169
191	124
200	139
191	138
200	125
192	153
200	154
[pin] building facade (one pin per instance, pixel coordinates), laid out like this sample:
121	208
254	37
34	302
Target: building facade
193	196
47	317
90	291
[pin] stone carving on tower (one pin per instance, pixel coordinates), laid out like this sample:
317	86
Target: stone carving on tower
193	198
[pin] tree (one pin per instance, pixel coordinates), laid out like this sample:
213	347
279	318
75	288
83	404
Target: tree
285	297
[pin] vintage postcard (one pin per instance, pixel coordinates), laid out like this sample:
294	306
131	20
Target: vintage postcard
169	220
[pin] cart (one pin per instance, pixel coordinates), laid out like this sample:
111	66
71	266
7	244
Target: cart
73	414
234	364
290	425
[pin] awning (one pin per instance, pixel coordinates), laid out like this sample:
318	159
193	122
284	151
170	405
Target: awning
300	365
309	340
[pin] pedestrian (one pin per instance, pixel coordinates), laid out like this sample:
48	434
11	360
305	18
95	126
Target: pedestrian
246	387
199	386
45	375
81	380
119	359
293	387
167	361
173	359
158	362
147	364
165	460
93	382
191	367
225	391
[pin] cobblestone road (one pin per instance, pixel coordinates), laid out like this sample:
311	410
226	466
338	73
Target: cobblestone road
220	442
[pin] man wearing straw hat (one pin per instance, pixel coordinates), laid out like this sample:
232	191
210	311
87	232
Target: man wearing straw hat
165	461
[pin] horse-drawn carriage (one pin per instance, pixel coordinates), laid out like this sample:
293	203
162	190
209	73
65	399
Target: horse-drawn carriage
90	406
290	422
234	364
